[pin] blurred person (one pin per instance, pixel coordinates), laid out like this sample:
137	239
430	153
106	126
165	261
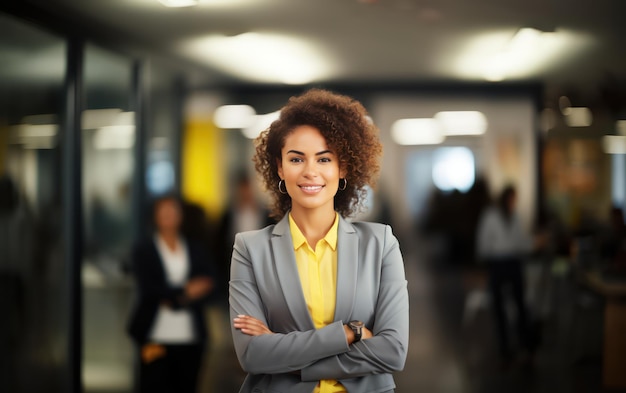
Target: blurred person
503	245
244	213
174	277
319	304
613	243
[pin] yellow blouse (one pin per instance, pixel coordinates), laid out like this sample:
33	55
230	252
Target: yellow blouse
318	277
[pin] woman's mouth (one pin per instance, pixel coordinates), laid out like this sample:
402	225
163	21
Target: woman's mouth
309	189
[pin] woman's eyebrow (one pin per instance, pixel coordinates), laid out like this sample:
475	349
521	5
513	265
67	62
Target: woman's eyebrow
317	154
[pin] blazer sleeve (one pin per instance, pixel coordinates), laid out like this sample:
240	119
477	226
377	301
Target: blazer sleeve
280	352
385	352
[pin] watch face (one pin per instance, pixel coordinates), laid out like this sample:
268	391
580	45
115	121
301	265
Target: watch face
356	324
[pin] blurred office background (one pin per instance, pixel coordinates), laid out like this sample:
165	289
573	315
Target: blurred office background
107	104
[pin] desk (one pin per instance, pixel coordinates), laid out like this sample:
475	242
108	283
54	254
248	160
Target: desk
614	353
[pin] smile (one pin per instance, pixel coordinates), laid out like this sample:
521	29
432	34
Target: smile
311	189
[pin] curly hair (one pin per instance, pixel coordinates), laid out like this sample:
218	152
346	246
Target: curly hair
349	133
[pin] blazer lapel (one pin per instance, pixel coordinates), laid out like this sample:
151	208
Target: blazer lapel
288	276
347	270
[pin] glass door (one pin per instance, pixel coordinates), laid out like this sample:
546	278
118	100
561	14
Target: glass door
108	139
34	277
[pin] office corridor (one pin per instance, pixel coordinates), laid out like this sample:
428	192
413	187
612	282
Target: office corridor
452	342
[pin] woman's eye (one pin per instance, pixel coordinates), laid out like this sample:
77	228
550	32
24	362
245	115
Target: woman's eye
324	159
295	159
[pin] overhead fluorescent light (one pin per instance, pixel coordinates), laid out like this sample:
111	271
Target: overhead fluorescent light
417	132
499	55
519	50
614	144
34	136
577	116
234	116
179	3
114	137
259	124
37	130
92	119
462	122
263	57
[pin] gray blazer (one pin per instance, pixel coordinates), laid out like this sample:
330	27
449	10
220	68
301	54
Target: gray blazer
371	287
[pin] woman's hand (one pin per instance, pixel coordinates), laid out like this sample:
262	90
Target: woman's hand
250	326
198	287
365	334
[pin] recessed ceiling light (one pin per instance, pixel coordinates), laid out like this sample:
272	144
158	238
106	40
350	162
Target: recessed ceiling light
578	116
500	55
462	122
614	144
417	132
179	3
259	124
234	116
263	57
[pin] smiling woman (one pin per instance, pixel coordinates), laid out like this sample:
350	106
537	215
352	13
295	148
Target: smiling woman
295	328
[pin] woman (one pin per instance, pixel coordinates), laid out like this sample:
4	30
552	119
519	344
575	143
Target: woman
319	304
173	277
503	245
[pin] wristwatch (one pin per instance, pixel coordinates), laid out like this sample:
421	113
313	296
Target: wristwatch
357	328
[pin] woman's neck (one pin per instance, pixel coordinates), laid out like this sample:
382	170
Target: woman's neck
313	223
170	238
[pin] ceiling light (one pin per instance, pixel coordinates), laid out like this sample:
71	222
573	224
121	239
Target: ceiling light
259	124
34	136
500	55
92	119
263	57
234	116
614	144
417	132
179	3
578	116
564	104
114	137
462	122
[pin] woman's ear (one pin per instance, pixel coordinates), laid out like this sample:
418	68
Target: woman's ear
279	165
343	173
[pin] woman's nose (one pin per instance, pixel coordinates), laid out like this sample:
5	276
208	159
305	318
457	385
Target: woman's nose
310	169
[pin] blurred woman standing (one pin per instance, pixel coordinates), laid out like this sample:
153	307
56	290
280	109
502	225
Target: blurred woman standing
174	277
502	244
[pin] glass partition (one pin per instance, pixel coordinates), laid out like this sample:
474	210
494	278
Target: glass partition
33	273
108	140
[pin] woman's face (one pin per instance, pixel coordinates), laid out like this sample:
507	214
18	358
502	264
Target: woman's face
167	215
310	169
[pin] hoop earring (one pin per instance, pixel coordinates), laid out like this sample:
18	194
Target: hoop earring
345	184
282	181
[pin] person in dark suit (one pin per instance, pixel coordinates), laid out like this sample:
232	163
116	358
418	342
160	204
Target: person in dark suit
174	277
244	213
319	303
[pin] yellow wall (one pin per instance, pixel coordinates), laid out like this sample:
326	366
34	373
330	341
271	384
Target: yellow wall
203	175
